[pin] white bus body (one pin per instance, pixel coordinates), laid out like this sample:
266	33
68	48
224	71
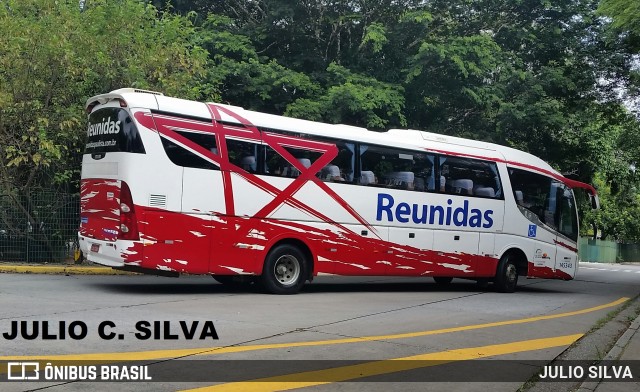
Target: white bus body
174	186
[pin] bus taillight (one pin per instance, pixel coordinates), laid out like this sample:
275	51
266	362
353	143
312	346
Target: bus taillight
128	224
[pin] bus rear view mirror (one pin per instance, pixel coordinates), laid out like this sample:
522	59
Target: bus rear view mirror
595	201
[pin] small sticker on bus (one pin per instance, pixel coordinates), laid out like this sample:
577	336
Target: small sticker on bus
532	230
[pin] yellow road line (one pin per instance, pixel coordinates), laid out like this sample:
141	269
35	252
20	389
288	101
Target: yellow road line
376	368
163	354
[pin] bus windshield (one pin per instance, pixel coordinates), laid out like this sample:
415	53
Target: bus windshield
544	200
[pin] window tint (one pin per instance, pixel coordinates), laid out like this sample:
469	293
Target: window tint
277	165
112	130
206	140
379	166
399	169
184	157
341	168
244	155
531	192
568	219
471	177
546	200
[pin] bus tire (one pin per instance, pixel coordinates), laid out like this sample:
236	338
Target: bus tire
442	280
285	270
507	275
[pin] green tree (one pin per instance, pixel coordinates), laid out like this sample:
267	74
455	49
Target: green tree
626	17
625	30
245	78
545	77
53	57
353	99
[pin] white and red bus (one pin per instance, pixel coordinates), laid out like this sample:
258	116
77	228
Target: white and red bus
172	186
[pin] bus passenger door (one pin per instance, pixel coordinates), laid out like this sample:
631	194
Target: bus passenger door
566	256
566	240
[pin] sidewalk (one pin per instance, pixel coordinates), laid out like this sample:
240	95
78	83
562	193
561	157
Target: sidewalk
66	269
626	348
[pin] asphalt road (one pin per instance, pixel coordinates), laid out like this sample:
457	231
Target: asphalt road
350	326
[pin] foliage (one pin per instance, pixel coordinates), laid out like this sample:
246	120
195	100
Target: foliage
544	77
551	78
625	14
243	76
49	69
353	99
625	26
54	57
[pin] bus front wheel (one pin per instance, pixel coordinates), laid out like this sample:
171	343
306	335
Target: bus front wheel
285	270
507	275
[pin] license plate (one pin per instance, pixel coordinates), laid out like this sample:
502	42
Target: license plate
95	247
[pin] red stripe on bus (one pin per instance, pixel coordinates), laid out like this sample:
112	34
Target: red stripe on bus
567	246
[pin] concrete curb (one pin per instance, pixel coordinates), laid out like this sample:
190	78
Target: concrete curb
60	269
614	353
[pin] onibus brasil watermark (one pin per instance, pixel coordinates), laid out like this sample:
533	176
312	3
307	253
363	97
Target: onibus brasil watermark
33	371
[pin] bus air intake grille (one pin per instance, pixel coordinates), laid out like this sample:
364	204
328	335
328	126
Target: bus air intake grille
159	201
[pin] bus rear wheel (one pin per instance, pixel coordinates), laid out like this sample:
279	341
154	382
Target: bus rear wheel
285	270
507	275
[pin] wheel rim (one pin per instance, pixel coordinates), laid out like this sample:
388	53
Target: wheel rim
287	270
511	273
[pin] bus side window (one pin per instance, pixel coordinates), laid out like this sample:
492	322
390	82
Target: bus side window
368	178
341	168
331	173
470	177
243	154
249	163
424	169
536	193
395	168
184	157
280	167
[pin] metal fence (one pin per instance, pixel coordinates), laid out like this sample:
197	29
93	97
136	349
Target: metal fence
600	251
39	228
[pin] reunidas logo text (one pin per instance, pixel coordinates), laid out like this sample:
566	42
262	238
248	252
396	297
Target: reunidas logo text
107	126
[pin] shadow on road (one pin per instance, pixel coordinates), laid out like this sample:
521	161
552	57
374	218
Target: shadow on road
206	285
